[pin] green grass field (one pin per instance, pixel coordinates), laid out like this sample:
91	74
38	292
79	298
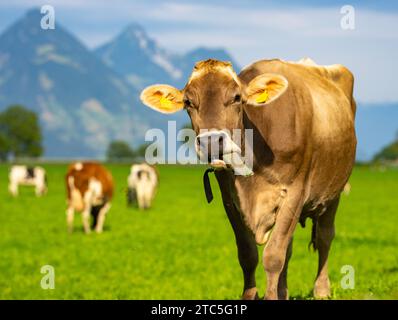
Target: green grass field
184	248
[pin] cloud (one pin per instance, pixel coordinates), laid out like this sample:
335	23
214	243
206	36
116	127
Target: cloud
256	33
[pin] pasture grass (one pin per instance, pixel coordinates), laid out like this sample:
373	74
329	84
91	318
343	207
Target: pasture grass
184	248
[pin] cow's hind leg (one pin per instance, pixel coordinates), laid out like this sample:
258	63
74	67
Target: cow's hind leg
132	197
70	214
283	293
101	217
324	234
86	219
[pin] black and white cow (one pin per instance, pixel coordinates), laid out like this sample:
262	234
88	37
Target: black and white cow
142	183
28	176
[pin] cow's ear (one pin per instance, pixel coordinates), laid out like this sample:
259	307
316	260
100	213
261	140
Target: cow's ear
265	88
162	98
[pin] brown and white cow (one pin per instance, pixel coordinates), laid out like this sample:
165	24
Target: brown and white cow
142	183
302	120
89	190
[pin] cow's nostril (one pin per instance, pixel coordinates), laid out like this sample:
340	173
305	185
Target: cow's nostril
212	144
221	141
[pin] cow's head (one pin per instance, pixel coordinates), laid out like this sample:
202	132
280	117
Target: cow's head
214	98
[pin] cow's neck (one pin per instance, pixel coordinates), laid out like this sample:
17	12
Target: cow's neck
262	155
257	197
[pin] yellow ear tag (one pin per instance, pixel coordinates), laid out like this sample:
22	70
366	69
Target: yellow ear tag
165	103
263	97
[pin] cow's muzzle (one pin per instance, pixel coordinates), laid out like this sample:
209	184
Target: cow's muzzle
216	148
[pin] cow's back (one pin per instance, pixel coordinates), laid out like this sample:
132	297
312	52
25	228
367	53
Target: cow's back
80	174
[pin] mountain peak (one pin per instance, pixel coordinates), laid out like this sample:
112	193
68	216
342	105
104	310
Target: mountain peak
134	32
203	53
137	57
132	27
33	13
31	20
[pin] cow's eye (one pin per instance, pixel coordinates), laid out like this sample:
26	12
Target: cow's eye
237	99
187	103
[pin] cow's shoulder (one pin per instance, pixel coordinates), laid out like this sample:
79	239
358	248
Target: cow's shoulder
336	77
338	74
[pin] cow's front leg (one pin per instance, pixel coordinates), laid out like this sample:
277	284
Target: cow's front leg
245	242
283	292
248	260
247	254
276	251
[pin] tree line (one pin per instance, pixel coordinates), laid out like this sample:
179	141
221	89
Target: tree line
20	133
119	151
388	153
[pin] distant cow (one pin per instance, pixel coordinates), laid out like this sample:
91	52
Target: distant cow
301	116
89	190
142	183
28	176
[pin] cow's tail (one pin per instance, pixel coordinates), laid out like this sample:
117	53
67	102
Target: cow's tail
313	241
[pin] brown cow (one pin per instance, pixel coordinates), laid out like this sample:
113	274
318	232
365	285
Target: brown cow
89	190
302	120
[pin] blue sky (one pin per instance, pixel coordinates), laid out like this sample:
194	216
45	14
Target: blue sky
250	30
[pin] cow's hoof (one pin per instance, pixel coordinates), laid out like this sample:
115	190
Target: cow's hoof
321	294
322	289
283	294
98	231
250	294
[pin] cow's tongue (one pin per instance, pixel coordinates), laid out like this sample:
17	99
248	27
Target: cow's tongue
235	161
218	164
